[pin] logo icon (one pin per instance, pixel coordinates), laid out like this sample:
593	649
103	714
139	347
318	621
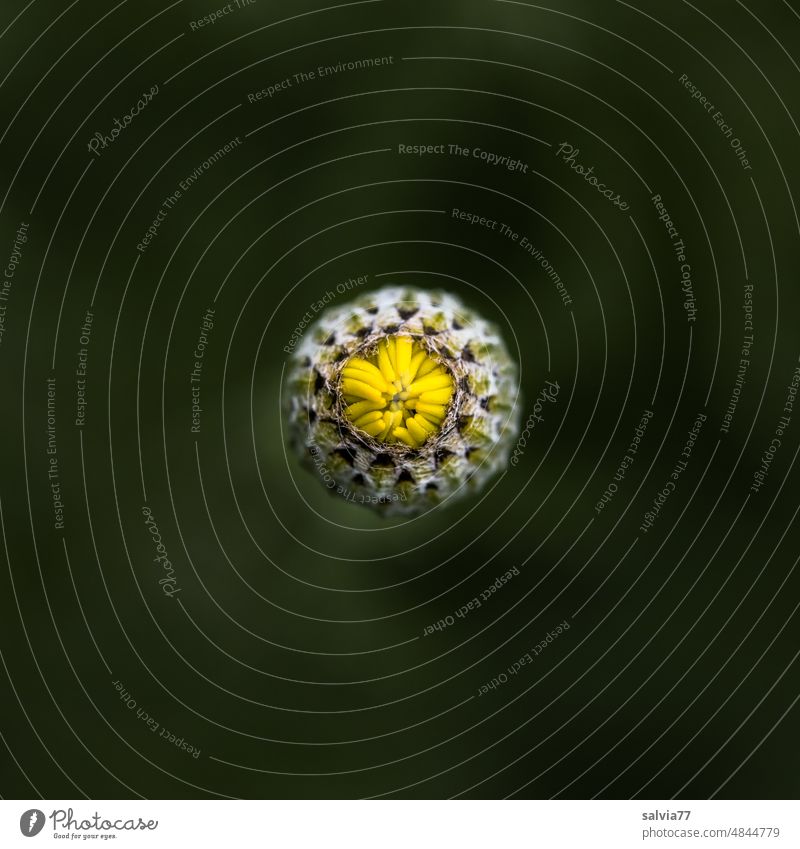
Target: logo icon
31	822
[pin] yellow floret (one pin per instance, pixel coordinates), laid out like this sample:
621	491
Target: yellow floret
400	393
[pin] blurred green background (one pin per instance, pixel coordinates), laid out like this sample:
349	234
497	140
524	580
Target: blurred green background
293	656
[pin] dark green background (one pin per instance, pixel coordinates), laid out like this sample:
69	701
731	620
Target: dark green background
294	658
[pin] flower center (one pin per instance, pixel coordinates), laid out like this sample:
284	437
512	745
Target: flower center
399	393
